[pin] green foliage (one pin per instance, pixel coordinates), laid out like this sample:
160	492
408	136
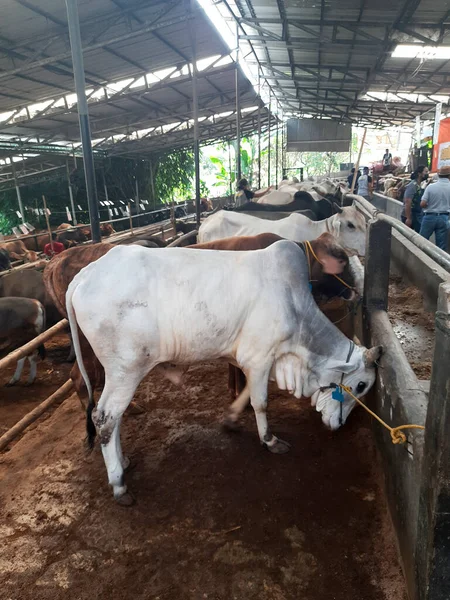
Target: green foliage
223	176
174	173
204	190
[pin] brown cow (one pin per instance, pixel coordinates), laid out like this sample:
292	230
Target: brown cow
18	251
57	276
62	269
324	286
64	226
106	229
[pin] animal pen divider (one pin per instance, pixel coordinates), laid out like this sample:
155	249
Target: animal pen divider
416	474
62	392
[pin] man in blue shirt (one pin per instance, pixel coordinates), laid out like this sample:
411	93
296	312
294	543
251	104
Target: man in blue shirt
436	206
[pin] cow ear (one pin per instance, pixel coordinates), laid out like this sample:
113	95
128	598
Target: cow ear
332	258
337	208
336	228
372	355
332	265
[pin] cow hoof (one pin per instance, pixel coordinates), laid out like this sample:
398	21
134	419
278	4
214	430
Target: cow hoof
126	499
279	447
10	383
136	409
229	425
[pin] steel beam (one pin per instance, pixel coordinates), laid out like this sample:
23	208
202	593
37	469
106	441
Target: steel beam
83	114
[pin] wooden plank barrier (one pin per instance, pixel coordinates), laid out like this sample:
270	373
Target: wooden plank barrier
60	394
28	348
186	236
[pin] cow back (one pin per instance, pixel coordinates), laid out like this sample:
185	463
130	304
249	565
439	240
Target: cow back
250	242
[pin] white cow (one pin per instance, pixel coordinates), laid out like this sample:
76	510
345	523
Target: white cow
182	306
284	195
348	226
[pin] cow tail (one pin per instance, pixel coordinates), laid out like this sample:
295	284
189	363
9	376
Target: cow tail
90	427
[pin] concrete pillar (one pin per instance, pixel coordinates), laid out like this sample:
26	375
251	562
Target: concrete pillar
433	539
377	262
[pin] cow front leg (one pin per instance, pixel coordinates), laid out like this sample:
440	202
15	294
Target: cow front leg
258	398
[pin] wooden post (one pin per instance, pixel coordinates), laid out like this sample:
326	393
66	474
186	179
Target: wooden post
30	346
29	418
48	224
357	162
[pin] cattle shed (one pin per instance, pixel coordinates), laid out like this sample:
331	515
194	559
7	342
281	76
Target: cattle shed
344	515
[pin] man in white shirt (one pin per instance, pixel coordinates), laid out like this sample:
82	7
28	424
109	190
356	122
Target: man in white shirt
436	206
387	159
365	184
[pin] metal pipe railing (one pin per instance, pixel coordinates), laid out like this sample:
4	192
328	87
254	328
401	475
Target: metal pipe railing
435	253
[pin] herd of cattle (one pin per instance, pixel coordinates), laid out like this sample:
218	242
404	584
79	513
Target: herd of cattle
254	292
27	247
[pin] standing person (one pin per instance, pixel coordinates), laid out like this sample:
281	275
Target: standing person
57	247
365	184
245	194
387	159
350	180
412	212
436	205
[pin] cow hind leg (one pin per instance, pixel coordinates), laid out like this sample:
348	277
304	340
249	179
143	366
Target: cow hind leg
236	409
18	372
258	383
116	396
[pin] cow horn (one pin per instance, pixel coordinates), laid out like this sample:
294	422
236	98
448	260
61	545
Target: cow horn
338	208
372	355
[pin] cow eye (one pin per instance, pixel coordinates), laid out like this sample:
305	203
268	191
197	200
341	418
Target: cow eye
350	225
360	387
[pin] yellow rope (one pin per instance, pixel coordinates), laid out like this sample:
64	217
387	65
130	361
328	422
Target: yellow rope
309	249
397	435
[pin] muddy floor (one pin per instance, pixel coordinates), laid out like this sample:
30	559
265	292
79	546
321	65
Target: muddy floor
216	516
413	326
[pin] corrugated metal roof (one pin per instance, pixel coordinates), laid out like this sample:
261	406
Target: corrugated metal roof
337	50
123	42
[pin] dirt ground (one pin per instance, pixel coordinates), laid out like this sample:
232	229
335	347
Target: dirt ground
216	516
17	401
413	326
